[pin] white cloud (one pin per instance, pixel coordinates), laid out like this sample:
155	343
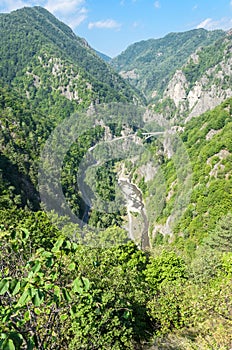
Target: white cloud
63	6
105	24
157	4
195	7
58	6
72	12
75	22
224	23
11	5
205	23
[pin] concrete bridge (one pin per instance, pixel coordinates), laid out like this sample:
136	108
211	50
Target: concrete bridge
150	134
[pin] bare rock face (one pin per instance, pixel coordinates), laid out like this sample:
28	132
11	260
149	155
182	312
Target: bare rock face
211	90
177	87
208	92
194	57
164	229
201	100
131	74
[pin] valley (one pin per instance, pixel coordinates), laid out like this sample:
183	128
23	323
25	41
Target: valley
115	190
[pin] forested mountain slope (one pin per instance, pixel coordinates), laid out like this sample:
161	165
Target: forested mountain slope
207	141
115	296
103	56
150	64
47	74
23	131
46	61
201	84
65	285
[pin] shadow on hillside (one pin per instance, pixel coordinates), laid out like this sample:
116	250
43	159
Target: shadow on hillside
15	183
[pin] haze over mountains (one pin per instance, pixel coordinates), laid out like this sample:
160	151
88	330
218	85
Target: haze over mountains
172	99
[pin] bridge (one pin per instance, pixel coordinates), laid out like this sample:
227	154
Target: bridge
150	134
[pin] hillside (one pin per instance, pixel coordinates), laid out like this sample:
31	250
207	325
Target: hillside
23	131
115	217
150	64
103	56
201	84
44	59
199	181
45	271
47	73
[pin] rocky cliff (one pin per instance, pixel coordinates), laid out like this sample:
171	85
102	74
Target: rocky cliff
202	83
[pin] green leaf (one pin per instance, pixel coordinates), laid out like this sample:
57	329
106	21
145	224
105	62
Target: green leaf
126	315
37	311
27	315
32	291
68	245
78	286
66	294
30	344
4	286
72	266
3	335
57	291
48	286
63	317
40	251
73	310
16	288
49	262
58	244
37	266
13	283
8	345
25	233
74	247
86	283
37	300
25	297
46	254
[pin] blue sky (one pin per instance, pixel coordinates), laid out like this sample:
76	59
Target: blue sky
110	26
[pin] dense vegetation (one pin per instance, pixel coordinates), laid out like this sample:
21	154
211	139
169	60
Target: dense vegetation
210	149
56	294
22	134
211	56
154	61
66	287
48	62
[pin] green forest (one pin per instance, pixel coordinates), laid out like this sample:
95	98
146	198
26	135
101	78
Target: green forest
156	60
64	285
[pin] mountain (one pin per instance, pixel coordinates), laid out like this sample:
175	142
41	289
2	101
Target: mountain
24	129
43	59
198	177
154	265
201	84
47	73
150	64
104	57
